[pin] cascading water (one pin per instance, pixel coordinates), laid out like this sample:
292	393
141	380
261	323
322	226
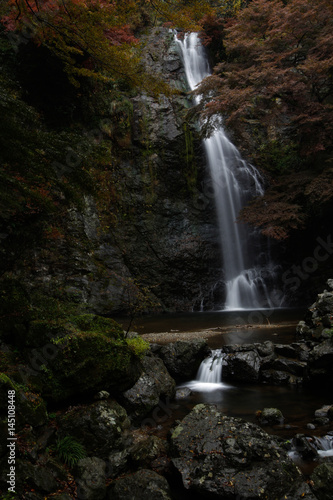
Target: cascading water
209	376
210	370
235	182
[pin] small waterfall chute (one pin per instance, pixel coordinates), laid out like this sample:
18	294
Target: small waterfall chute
324	445
209	376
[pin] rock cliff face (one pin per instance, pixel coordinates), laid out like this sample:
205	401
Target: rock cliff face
161	231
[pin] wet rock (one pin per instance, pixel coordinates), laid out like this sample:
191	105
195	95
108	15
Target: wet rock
321	362
290	366
270	416
241	366
324	411
99	427
183	393
322	480
278	377
90	478
155	383
304	447
266	349
183	358
144	484
286	351
230	458
303	351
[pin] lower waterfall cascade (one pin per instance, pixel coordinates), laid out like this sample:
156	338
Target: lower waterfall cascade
209	376
248	270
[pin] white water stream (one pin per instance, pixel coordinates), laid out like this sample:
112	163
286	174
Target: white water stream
209	376
235	182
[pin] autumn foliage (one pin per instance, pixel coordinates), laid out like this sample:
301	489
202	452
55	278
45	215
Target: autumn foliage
276	77
96	38
279	66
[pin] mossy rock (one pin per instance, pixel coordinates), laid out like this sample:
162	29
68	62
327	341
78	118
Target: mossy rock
98	324
29	407
43	331
85	363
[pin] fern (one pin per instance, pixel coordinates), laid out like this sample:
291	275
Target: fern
70	451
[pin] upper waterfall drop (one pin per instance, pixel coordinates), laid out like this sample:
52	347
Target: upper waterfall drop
235	182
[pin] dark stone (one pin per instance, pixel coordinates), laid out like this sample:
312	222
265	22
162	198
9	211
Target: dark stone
321	361
276	377
99	427
304	447
146	449
241	366
154	384
144	484
90	478
290	366
286	351
183	358
322	480
270	416
226	457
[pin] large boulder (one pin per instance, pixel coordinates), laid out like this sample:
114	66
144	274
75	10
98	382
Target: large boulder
154	384
99	427
241	366
84	363
225	457
320	365
183	358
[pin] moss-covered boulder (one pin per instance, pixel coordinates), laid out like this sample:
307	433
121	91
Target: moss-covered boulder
42	331
84	363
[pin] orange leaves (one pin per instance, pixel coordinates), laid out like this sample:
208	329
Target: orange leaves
283	51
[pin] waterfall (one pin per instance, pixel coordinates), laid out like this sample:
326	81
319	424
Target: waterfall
235	183
210	370
209	376
324	445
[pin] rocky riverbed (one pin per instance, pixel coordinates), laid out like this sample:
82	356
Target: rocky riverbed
90	432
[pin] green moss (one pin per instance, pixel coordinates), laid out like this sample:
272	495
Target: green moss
98	324
138	346
85	362
30	407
